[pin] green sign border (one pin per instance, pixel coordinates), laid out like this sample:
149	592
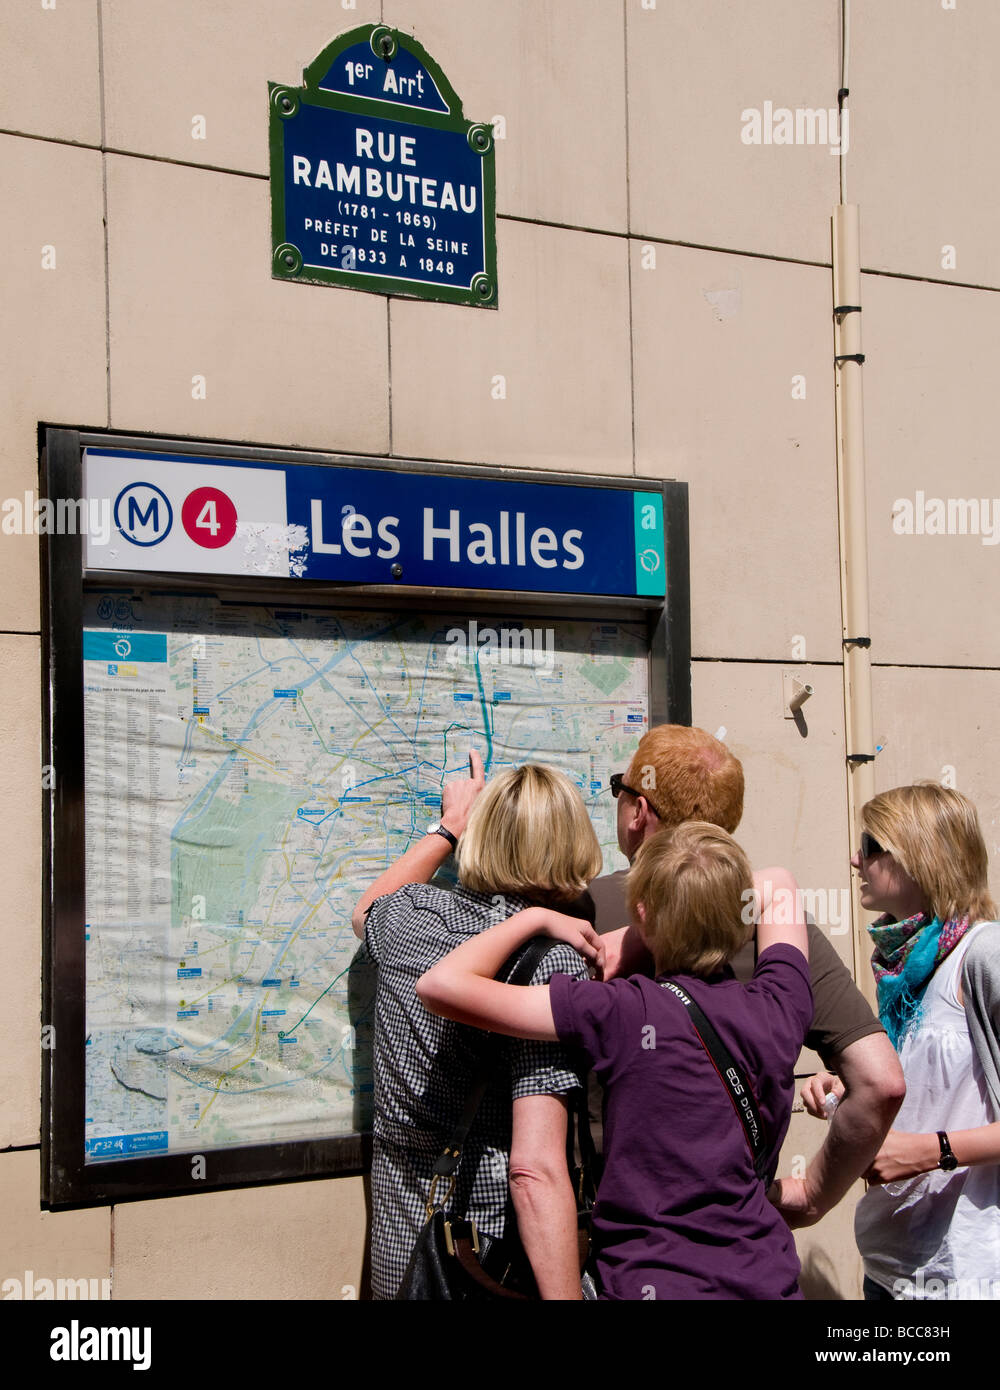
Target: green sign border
284	101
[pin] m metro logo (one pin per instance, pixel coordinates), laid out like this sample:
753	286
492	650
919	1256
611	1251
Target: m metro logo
143	514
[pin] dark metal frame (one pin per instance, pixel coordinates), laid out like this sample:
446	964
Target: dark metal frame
66	1180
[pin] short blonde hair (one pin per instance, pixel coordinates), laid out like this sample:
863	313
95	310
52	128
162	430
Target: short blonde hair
693	881
933	833
687	775
529	833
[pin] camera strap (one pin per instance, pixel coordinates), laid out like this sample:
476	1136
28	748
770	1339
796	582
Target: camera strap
732	1077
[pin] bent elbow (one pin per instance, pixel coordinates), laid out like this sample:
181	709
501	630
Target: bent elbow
888	1083
429	992
529	1179
882	1093
893	1089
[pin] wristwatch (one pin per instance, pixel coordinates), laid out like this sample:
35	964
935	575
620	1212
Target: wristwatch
438	829
947	1161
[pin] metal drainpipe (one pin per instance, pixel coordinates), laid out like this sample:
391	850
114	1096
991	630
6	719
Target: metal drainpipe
853	553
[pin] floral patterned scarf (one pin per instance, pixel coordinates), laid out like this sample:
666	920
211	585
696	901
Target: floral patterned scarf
905	957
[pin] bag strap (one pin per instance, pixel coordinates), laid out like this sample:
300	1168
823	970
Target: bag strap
585	1147
516	970
732	1077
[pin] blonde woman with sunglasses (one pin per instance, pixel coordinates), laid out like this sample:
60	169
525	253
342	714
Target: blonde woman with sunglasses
929	1224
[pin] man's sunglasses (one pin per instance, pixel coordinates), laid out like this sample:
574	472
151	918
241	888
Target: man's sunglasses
618	785
869	845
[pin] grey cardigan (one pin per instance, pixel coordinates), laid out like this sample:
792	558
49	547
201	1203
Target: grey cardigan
981	992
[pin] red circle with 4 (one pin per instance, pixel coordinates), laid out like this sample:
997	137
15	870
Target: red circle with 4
209	517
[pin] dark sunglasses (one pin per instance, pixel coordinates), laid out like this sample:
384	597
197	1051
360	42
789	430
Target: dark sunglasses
869	845
618	785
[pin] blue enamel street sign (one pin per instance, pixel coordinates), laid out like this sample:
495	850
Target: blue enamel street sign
186	514
377	180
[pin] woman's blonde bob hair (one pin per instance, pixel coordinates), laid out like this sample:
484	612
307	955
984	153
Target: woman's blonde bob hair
693	882
933	834
529	833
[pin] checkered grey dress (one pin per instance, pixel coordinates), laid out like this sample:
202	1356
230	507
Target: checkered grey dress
425	1067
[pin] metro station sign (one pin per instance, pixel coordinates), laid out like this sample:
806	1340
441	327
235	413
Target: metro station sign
187	514
378	182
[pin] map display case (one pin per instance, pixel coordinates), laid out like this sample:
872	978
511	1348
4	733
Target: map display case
261	667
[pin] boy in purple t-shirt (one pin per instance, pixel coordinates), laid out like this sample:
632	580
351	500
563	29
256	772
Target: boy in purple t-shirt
680	1212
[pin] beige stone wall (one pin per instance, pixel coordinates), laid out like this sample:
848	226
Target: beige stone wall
661	284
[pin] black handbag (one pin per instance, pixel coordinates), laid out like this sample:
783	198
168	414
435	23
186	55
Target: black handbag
452	1259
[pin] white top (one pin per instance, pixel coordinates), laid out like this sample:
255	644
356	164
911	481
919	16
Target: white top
938	1233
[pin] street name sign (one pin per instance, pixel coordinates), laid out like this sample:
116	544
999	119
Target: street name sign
378	182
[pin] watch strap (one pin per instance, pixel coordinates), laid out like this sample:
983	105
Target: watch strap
947	1161
445	835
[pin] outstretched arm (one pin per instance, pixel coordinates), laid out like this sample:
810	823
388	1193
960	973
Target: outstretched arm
461	986
422	860
905	1155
